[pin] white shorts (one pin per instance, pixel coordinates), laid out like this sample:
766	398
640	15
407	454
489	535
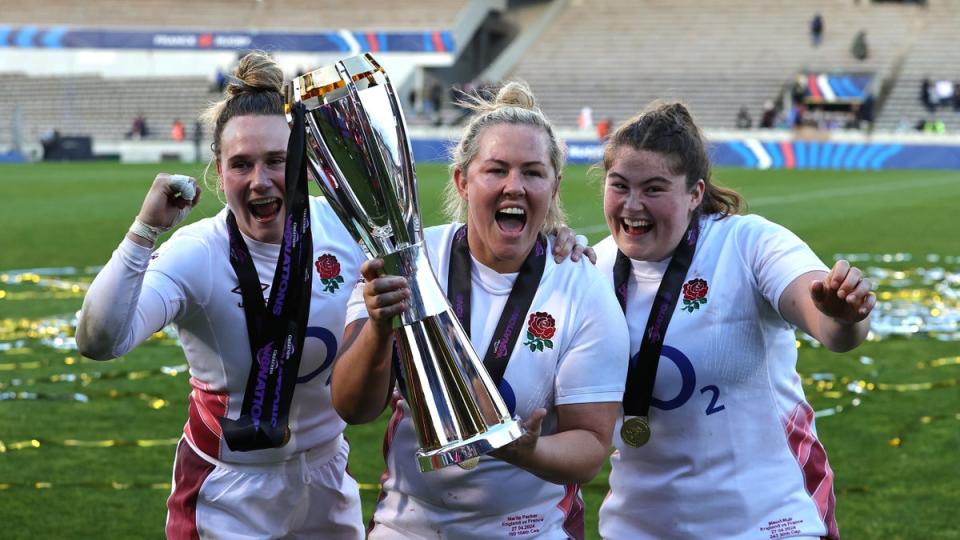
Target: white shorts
307	497
401	517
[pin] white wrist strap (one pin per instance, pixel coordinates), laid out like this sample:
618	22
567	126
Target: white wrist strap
147	232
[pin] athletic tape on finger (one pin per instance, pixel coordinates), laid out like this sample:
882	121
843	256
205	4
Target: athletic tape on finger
183	185
581	240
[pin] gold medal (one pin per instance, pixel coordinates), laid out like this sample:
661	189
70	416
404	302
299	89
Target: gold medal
635	431
469	464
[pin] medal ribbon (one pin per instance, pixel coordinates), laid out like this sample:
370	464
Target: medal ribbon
514	312
641	374
276	330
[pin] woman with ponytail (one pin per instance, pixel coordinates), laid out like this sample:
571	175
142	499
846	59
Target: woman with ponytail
563	373
716	438
262	453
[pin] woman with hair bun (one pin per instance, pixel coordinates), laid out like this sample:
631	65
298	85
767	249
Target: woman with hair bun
564	371
262	453
717	439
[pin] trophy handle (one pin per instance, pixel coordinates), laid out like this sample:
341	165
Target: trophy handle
373	144
339	100
326	171
406	157
363	74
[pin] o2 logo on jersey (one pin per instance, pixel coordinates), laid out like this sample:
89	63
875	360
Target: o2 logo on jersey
330	343
688	384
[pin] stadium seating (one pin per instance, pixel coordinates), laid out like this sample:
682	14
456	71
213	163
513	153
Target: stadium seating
616	55
300	15
611	55
101	107
104	107
932	53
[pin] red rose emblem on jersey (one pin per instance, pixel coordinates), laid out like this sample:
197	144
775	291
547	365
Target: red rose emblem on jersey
540	330
694	294
328	266
329	269
542	325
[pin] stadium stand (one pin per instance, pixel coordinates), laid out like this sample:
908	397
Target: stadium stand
933	54
103	105
234	14
100	107
616	55
613	56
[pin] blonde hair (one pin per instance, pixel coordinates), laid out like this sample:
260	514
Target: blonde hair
514	104
255	88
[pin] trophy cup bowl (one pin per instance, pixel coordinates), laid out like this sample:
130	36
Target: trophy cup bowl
359	154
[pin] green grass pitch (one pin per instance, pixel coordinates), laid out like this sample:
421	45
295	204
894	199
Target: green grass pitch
894	455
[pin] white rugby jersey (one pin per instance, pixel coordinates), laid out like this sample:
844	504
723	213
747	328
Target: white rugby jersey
585	363
733	451
189	282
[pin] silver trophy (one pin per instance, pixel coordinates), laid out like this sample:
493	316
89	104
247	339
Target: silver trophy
358	151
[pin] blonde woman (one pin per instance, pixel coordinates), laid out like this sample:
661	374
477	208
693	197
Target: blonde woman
563	374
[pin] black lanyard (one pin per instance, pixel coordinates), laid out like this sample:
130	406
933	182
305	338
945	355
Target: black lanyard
276	330
514	312
641	375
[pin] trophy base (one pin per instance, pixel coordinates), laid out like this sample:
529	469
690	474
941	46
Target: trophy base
461	451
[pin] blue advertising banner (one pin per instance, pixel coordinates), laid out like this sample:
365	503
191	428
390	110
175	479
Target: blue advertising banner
756	154
31	37
752	153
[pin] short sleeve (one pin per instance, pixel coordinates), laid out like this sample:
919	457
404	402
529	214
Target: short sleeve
593	368
775	255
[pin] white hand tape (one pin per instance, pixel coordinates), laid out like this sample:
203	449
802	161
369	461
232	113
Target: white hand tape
581	240
147	232
183	186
